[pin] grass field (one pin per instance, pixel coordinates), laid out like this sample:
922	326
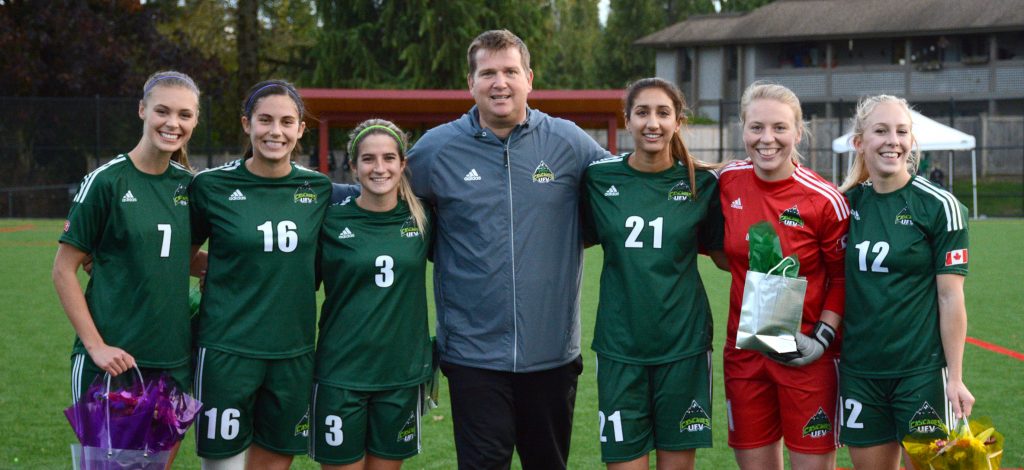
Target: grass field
34	361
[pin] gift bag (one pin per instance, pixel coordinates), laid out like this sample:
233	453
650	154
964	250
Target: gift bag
95	458
772	308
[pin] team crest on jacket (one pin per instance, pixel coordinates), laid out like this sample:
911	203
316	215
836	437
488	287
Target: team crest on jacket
302	427
791	217
926	421
408	432
543	174
180	197
305	194
409	228
695	419
680	192
818	426
904	218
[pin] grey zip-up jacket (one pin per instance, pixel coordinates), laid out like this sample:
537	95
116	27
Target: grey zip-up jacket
508	256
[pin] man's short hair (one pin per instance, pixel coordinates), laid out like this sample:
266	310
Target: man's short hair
496	40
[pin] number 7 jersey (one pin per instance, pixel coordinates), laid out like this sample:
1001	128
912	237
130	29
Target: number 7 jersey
898	243
260	297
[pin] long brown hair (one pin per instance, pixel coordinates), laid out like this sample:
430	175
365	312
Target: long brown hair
677	146
388	128
268	88
171	78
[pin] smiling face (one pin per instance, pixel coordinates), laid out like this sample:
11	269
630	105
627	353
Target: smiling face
652	120
770	135
887	142
275	128
169	115
499	86
378	166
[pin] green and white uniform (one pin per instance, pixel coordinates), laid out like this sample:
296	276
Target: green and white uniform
653	320
653	308
260	297
898	243
257	319
136	227
373	326
374	346
891	368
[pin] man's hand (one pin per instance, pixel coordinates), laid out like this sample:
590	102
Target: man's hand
808	348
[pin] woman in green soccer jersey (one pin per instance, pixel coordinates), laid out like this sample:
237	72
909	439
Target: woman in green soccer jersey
901	368
652	211
373	354
262	215
131	216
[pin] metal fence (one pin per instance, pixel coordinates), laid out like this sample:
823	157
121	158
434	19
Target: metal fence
48	144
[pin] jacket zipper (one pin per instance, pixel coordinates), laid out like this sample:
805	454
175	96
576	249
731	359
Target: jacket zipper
512	247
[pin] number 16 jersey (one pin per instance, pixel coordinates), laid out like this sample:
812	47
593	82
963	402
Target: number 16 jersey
260	296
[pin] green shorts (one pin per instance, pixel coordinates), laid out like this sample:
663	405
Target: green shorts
666	406
876	411
248	400
84	372
348	423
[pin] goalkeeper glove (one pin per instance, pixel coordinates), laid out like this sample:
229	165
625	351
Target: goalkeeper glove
808	348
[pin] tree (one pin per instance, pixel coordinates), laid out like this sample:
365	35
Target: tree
628	20
570	61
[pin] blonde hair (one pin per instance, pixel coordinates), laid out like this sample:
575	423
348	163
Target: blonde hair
171	78
678	147
858	170
762	90
388	128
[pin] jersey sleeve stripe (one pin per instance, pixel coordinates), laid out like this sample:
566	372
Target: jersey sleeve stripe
809	180
737	165
605	160
87	182
954	219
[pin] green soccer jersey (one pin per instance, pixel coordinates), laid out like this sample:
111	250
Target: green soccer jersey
653	308
260	297
136	227
898	243
373	326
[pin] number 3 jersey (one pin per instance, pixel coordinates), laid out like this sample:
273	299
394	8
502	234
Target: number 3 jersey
373	326
260	295
653	308
136	227
898	243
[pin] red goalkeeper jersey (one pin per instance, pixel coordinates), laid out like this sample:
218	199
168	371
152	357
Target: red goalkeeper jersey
811	217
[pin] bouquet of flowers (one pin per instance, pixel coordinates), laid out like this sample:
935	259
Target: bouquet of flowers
130	425
974	445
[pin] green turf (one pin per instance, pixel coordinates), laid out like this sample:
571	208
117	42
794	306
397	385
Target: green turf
35	344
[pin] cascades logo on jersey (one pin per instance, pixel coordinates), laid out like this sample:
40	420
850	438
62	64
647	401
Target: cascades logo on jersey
180	196
305	194
611	191
129	197
926	421
737	204
346	233
791	217
409	229
855	214
680	192
543	174
408	432
904	218
302	427
472	175
695	419
237	196
818	426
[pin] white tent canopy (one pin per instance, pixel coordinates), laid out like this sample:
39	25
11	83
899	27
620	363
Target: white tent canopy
930	136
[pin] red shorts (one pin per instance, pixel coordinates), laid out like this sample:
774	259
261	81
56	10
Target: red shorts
766	400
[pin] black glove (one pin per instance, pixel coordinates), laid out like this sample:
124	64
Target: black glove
808	348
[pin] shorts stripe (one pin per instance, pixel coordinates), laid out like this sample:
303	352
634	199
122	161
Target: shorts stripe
950	416
711	378
76	378
838	411
419	413
311	443
197	387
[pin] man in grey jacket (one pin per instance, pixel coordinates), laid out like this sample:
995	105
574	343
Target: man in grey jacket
503	181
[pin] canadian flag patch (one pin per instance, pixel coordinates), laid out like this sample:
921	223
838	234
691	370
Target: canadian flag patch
956	257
